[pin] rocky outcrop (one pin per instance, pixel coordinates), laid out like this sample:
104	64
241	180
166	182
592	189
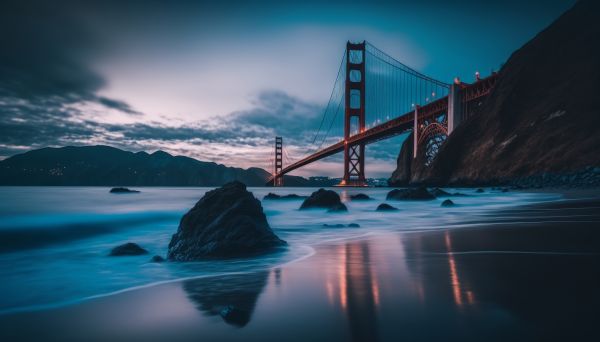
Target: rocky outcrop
541	118
419	193
272	196
157	258
128	249
386	207
226	222
123	191
360	197
447	203
401	176
325	199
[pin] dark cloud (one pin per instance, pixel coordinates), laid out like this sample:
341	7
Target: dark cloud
118	105
47	53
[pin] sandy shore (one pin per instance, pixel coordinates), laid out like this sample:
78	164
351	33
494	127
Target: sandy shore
526	274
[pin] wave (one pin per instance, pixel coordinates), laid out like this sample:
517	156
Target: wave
22	234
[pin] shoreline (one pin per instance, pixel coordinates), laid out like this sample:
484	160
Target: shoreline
334	263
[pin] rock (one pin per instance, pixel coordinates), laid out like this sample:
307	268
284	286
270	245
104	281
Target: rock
419	193
123	191
437	192
354	225
338	225
226	222
272	196
157	258
480	190
386	207
129	248
360	197
447	203
324	199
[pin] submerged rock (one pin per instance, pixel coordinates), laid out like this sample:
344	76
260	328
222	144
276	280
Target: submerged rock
326	199
360	197
480	190
386	207
437	192
129	248
354	225
123	191
447	203
419	193
157	258
337	225
226	222
272	196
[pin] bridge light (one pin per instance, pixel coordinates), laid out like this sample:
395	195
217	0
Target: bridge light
433	94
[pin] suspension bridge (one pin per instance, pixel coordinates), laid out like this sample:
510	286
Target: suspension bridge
376	97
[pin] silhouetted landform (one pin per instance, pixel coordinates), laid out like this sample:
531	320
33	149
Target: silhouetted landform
109	166
360	197
233	297
447	203
420	193
326	199
128	249
272	196
123	191
386	207
226	222
539	126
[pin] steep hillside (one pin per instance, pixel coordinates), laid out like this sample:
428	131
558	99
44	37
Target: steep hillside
542	119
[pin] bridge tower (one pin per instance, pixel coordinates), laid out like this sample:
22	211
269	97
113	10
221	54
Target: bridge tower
278	166
354	115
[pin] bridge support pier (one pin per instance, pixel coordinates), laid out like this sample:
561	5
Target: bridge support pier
278	180
354	115
416	131
454	108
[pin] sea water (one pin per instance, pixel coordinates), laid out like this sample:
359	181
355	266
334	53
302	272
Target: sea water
55	241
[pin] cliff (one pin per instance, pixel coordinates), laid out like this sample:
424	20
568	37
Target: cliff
541	120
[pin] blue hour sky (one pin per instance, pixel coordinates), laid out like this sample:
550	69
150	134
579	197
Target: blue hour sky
218	80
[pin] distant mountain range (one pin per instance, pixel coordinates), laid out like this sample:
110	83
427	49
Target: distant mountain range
109	166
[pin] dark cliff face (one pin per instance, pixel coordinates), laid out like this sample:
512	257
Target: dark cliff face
543	115
401	176
107	166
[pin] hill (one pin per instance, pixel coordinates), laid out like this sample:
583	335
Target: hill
540	125
109	166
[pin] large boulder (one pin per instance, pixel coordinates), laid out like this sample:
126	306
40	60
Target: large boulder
226	222
128	249
326	199
419	193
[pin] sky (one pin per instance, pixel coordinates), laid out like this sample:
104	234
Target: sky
218	80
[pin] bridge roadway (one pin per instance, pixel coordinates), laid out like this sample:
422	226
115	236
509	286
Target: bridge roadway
382	131
470	93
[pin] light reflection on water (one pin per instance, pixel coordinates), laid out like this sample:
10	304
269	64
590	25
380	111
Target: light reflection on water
55	240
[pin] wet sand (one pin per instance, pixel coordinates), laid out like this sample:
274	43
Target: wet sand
531	273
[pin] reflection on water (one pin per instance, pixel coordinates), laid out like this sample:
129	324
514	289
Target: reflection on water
233	297
454	279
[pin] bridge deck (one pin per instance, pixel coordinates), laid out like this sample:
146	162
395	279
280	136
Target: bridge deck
398	125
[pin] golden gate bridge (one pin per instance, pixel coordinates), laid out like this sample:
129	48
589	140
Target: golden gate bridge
376	97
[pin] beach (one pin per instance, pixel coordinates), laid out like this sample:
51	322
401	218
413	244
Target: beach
524	273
